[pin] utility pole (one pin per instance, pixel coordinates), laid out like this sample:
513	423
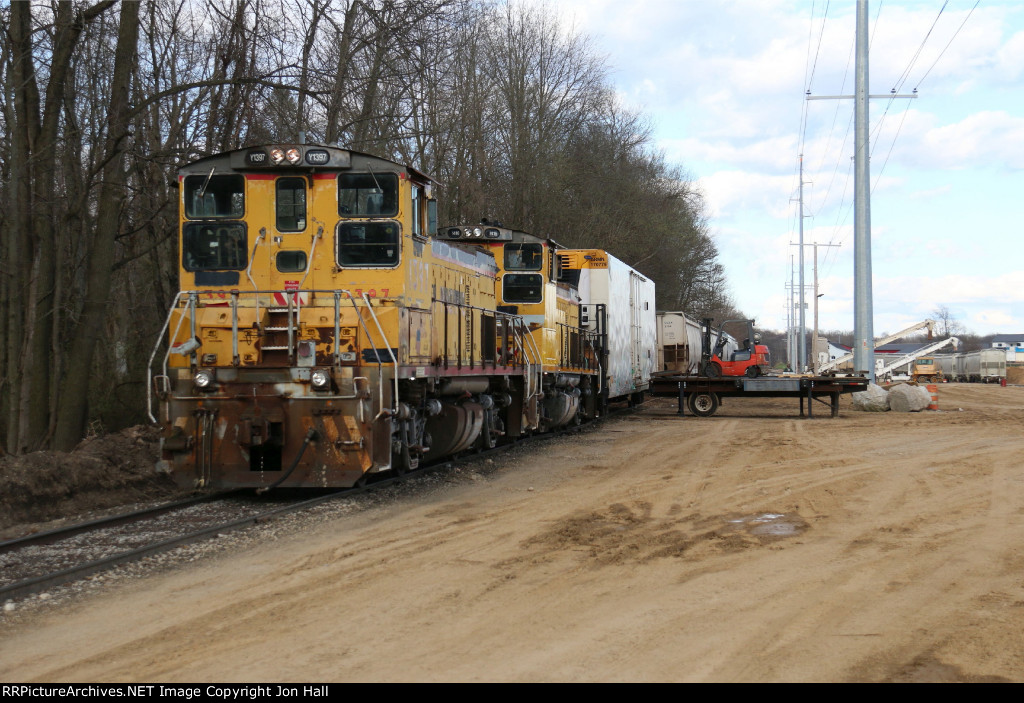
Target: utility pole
792	332
817	295
801	339
863	323
791	327
803	323
789	330
814	337
863	313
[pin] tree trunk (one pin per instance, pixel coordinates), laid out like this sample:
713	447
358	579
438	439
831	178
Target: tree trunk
74	405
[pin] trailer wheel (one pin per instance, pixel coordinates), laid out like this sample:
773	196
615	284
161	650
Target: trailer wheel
703	404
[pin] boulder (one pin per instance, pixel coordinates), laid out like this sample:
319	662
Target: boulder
909	399
874	400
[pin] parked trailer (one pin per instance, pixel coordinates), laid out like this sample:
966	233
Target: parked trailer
628	297
679	343
702	396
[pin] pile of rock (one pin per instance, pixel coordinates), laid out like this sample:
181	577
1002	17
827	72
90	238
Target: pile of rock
903	398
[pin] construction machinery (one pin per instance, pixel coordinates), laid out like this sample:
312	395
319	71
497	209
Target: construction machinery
829	367
750	359
884	367
925	370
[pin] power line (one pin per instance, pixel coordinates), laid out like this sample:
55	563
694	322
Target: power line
884	163
817	52
947	45
906	72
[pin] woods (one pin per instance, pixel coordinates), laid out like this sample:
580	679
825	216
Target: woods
512	114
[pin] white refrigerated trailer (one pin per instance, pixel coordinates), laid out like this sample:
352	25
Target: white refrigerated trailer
626	298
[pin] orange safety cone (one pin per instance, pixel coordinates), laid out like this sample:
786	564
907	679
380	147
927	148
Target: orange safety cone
934	390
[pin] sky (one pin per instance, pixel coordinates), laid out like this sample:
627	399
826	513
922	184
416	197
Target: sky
724	81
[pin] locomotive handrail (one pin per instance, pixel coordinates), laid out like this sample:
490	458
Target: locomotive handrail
234	328
369	338
248	269
528	336
391	353
521	335
498	315
309	259
152	356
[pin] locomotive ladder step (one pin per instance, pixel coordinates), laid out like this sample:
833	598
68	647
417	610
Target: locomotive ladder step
275	348
280	329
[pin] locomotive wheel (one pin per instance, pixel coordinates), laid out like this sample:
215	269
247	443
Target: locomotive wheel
703	404
714	370
753	372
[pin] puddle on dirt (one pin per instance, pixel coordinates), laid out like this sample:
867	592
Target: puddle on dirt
772	524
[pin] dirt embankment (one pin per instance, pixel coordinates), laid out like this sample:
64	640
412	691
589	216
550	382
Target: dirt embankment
102	472
751	546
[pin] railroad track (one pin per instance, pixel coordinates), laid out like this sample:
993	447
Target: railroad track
41	561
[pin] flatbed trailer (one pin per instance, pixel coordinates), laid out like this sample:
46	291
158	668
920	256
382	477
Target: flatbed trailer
701	394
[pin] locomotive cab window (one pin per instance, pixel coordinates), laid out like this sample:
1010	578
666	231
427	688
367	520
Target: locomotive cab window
291	261
214	247
368	243
524	257
290	203
522	288
417	211
215	196
368	194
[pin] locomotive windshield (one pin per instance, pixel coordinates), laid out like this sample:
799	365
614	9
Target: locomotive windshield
214	247
215	196
524	257
522	288
291	204
368	194
368	243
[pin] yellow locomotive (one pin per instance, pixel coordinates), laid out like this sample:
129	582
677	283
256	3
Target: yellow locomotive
324	331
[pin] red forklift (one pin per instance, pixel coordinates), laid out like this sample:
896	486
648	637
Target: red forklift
750	359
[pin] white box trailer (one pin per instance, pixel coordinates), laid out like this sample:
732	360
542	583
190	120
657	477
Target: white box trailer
627	298
679	343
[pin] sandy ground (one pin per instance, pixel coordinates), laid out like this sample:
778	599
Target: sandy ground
751	546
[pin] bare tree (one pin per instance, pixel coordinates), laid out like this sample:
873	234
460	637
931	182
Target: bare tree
946	323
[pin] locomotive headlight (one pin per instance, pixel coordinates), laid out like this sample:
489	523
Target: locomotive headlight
320	379
277	155
293	155
477	232
203	380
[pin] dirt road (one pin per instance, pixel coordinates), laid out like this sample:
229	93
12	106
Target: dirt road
752	546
